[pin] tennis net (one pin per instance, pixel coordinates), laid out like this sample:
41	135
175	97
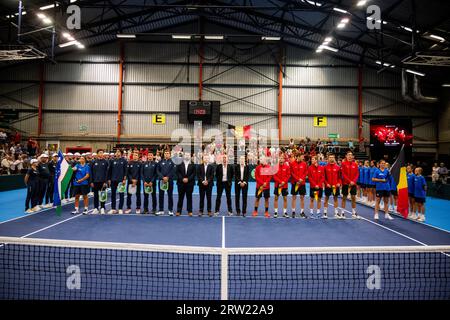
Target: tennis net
62	269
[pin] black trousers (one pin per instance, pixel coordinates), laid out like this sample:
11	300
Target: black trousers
138	196
238	190
220	187
146	197
50	188
185	191
205	191
97	187
114	185
169	195
32	195
43	185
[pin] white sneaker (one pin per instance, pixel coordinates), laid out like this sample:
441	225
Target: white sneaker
216	214
355	216
112	211
230	214
75	212
138	211
375	217
337	216
388	216
127	211
72	199
421	218
120	211
102	211
36	209
170	213
95	211
29	211
159	213
48	205
85	211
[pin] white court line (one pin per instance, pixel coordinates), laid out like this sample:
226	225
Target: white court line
55	224
40	211
223	232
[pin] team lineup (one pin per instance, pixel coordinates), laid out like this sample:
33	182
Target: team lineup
368	182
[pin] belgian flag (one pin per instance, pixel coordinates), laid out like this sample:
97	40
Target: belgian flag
398	172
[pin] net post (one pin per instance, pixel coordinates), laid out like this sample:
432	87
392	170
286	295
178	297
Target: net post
224	275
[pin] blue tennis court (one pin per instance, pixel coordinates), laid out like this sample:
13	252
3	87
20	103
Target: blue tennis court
260	265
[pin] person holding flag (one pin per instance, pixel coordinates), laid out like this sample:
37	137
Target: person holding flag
399	182
350	174
332	185
316	176
281	176
63	177
81	184
394	194
263	175
381	180
299	170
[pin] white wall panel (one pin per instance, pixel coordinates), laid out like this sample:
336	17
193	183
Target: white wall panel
304	76
81	97
82	72
58	123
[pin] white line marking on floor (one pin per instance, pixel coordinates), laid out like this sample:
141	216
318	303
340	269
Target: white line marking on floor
223	232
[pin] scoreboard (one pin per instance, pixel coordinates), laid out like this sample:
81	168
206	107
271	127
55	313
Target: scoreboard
193	110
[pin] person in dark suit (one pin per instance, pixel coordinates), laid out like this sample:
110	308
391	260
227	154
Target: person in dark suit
224	177
205	177
241	176
185	183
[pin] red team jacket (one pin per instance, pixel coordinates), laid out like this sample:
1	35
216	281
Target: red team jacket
263	174
299	171
332	175
282	174
316	176
350	172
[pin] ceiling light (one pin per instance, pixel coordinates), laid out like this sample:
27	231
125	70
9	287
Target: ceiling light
47	20
437	37
80	45
341	25
180	36
214	37
126	36
378	62
415	72
328	48
339	10
48	6
328	39
345	20
314	3
361	3
319	50
271	38
446	85
407	29
41	15
67	44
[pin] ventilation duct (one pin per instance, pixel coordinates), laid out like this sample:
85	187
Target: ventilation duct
405	95
417	94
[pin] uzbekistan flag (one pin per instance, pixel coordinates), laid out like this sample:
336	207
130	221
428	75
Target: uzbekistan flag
398	172
63	175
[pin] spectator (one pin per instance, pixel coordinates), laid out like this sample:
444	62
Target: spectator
443	173
3	137
435	173
351	145
7	164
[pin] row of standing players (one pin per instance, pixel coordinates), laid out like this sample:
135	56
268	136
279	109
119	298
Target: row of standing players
328	178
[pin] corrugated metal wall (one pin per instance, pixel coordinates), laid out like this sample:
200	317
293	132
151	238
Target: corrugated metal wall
157	76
